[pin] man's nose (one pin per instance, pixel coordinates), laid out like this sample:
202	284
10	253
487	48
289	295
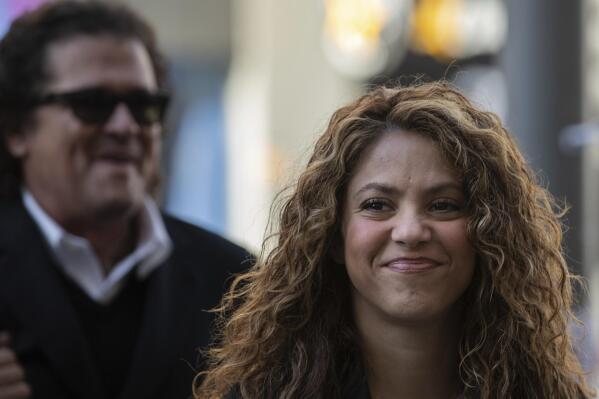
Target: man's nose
122	121
410	228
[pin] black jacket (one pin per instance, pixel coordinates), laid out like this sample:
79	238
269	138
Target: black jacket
48	337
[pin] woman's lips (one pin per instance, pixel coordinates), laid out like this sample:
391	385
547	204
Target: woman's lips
412	265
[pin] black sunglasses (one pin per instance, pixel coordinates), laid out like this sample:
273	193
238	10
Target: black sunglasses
96	105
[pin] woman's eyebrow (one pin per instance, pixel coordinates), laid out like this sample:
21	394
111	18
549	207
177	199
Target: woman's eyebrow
391	190
444	187
379	187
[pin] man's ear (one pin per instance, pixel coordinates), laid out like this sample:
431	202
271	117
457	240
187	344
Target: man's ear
16	143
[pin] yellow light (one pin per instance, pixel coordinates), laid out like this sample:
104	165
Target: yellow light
363	38
355	25
435	27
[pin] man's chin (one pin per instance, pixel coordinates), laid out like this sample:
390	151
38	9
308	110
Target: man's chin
117	207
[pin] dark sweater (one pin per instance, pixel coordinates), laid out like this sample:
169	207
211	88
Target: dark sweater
111	330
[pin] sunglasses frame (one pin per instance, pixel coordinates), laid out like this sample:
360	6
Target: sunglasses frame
95	105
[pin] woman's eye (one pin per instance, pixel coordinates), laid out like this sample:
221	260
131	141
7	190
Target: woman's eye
375	205
445	206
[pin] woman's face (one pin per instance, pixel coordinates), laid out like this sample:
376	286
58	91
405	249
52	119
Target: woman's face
404	231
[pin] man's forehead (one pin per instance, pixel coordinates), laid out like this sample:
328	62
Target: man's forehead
98	60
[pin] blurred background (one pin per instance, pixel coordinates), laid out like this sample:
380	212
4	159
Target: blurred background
256	80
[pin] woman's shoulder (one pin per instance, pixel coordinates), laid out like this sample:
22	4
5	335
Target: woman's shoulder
357	390
353	391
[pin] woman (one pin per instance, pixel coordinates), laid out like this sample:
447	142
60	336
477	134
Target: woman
415	258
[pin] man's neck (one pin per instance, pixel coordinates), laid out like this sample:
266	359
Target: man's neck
112	241
112	236
112	233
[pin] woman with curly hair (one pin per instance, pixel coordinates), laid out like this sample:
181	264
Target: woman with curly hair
416	257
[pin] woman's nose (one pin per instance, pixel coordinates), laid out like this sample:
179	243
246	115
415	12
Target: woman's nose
410	229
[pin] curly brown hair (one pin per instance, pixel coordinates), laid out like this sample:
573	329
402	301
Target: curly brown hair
286	328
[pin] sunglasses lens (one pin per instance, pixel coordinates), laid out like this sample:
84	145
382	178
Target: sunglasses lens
93	113
147	113
96	105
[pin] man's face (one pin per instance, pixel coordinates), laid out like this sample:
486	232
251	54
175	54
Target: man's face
82	172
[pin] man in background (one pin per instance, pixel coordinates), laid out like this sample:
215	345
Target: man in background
101	295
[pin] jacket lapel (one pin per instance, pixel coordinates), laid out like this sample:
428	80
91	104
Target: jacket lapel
166	323
33	290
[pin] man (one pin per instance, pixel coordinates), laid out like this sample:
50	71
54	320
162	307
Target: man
101	295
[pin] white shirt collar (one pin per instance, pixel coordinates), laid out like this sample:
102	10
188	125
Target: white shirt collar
78	261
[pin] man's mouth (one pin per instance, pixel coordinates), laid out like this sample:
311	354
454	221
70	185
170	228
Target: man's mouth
120	158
